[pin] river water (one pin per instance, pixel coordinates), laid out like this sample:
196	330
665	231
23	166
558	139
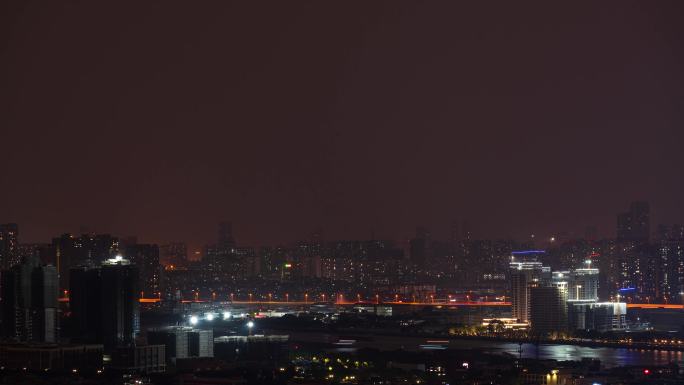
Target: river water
609	357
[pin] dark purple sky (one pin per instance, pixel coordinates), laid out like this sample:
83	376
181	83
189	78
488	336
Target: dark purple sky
160	120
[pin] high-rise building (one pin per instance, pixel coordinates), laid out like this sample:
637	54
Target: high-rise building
173	254
85	303
35	250
88	249
225	236
670	273
175	338
583	283
525	273
419	247
29	302
634	225
597	316
104	303
201	343
548	309
146	258
9	244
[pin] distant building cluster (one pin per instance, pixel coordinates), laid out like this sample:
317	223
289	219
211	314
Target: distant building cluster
560	301
88	289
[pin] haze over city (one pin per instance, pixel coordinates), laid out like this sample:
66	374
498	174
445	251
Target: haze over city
371	193
291	118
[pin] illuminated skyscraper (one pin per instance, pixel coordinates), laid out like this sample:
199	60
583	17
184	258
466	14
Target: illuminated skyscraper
670	263
583	283
525	273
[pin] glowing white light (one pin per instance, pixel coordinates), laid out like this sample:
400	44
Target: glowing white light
194	320
209	316
226	315
250	324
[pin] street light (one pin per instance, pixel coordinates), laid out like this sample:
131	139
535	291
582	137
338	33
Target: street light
250	325
194	320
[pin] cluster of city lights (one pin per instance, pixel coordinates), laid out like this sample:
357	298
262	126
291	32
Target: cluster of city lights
226	315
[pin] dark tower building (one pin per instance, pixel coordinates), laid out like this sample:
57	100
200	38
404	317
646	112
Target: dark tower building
419	247
225	236
85	302
88	249
455	235
29	302
104	303
9	244
548	309
146	258
466	231
175	253
634	225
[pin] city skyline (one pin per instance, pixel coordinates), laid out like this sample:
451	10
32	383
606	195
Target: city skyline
376	193
455	229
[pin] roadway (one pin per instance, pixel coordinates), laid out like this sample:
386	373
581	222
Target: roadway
410	303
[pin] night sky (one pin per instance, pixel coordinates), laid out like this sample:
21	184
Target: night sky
159	120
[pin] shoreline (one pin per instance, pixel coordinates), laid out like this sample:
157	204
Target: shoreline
345	333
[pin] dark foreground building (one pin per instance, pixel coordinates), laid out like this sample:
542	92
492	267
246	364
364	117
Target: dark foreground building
104	304
29	302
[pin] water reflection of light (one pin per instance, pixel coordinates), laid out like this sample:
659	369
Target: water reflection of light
609	357
345	350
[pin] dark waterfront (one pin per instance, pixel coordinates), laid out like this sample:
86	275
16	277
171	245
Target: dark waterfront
609	357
